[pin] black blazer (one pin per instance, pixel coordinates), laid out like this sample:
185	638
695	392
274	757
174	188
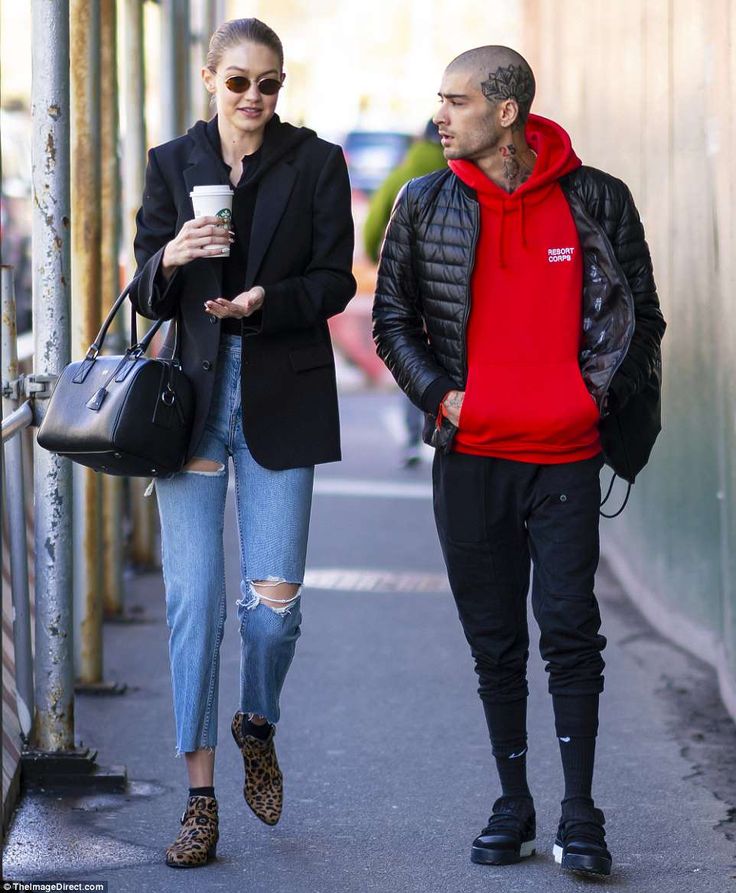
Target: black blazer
300	251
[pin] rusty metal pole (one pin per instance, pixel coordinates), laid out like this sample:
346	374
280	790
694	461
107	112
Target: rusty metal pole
134	145
86	319
112	487
142	550
52	479
213	15
175	68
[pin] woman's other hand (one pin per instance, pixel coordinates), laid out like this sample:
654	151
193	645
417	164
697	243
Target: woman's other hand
242	305
201	237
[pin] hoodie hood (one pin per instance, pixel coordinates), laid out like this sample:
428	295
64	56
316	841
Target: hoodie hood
555	158
279	139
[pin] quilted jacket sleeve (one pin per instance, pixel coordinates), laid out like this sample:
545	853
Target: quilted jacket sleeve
632	252
398	327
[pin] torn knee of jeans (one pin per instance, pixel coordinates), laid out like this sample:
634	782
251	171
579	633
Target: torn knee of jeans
252	597
207	467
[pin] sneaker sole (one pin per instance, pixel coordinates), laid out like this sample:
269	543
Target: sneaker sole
482	856
582	864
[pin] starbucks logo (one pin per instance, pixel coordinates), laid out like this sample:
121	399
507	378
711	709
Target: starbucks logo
225	215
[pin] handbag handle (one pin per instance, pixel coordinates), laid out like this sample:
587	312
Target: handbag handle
142	345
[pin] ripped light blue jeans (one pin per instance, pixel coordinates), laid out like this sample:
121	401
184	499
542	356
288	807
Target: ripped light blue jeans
273	509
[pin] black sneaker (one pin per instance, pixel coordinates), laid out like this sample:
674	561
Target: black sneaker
580	844
510	834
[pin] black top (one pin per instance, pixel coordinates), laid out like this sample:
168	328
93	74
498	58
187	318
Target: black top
235	270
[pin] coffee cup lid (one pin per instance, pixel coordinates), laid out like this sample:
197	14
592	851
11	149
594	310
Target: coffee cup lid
215	189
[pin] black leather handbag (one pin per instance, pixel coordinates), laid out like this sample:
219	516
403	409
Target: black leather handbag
129	415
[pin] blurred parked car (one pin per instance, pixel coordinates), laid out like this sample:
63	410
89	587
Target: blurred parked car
372	154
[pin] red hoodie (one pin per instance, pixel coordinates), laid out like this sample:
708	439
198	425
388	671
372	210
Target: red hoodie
525	398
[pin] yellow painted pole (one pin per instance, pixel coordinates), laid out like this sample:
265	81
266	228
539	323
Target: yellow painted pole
86	234
142	546
112	487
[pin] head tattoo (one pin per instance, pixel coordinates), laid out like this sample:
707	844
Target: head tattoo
510	82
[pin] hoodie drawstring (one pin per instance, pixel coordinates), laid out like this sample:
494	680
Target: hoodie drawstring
502	230
501	234
522	220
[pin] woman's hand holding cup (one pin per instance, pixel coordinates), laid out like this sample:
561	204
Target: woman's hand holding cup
242	305
201	237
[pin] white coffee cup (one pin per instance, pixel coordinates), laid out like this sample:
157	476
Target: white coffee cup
214	201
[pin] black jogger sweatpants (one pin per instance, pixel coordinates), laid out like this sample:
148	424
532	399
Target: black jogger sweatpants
495	517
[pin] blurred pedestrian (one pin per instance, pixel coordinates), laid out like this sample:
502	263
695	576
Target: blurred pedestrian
516	305
254	340
424	156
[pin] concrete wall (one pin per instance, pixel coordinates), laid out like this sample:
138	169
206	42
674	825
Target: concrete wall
647	89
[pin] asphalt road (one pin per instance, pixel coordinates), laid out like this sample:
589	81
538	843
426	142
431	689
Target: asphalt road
388	772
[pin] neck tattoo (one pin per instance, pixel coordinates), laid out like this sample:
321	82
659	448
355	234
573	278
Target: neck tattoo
515	170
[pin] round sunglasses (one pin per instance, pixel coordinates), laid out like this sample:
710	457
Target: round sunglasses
240	84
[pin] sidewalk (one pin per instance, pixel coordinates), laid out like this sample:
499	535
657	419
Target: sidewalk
386	758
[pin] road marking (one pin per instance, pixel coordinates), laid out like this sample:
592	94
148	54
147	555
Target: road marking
375	489
362	487
357	580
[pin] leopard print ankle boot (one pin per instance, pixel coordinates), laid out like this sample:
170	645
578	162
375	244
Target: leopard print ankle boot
264	783
196	842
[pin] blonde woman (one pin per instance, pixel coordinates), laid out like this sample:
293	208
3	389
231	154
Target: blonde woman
255	343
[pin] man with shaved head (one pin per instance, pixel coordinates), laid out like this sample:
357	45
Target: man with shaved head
516	306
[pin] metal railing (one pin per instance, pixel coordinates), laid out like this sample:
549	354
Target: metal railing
16	419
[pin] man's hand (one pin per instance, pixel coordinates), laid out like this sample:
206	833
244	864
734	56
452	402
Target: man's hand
452	404
244	304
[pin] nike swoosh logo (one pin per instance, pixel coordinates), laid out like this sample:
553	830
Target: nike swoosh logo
566	740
